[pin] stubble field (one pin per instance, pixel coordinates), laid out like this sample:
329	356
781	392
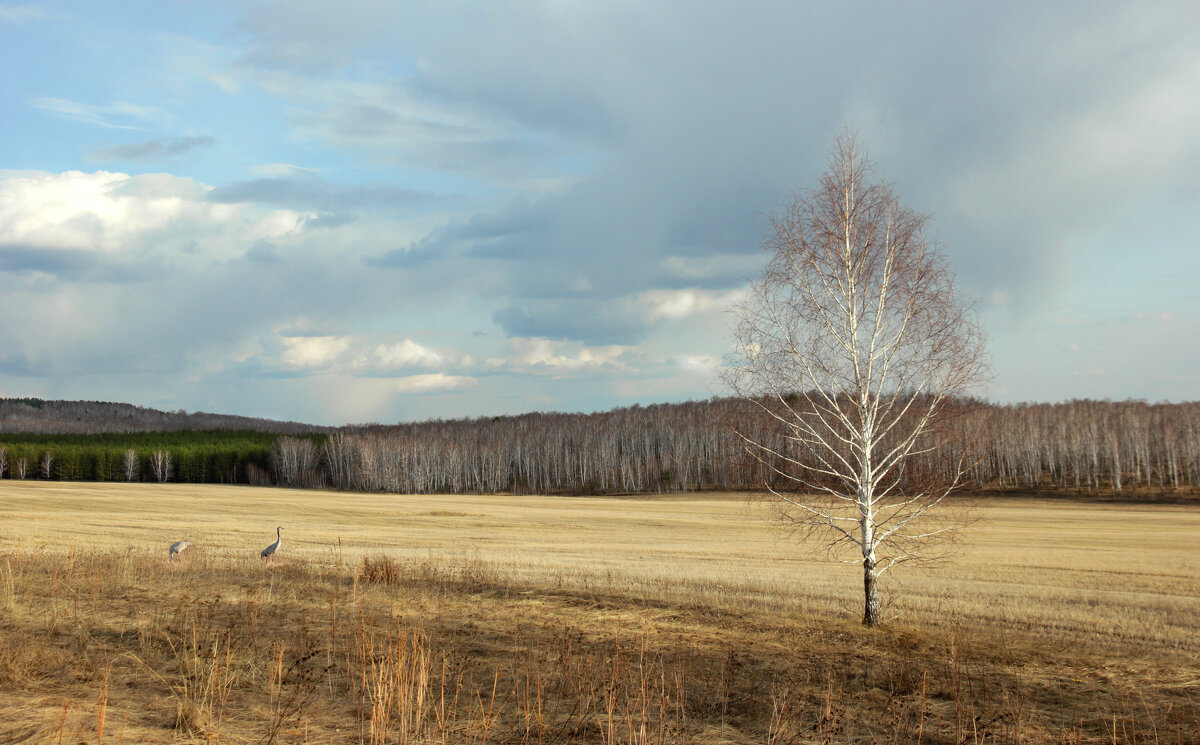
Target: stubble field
501	619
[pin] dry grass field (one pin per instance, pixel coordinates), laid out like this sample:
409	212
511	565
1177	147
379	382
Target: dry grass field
676	619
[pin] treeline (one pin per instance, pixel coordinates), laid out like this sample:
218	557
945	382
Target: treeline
1123	448
1098	447
37	416
1090	446
662	447
188	456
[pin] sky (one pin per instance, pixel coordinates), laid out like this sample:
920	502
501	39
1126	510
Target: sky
381	211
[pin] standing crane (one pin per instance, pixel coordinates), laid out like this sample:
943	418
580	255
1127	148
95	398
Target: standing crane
176	549
269	551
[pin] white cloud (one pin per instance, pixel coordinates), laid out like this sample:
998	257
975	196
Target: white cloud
313	352
697	363
404	354
674	305
546	356
300	346
432	382
119	214
117	115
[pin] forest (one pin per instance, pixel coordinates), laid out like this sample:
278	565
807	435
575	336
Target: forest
1127	449
220	456
39	416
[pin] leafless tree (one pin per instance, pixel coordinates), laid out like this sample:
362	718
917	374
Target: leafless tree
21	468
1133	449
129	464
295	462
339	457
3	462
46	464
854	345
160	465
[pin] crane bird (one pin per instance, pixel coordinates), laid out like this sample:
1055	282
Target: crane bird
269	551
176	549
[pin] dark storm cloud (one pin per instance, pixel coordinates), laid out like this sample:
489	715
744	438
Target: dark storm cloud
148	151
712	118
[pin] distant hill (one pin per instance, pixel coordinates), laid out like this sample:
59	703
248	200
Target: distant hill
35	416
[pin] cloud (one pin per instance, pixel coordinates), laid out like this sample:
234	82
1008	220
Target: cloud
21	365
71	264
311	193
263	254
408	257
482	235
705	364
558	358
149	151
587	220
577	319
620	320
135	217
675	305
432	383
396	124
118	115
306	347
21	13
144	273
312	352
716	271
408	354
25	258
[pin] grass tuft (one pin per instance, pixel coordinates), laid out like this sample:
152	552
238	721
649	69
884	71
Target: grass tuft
379	570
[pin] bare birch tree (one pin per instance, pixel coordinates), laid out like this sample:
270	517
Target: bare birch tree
854	344
295	462
161	466
129	464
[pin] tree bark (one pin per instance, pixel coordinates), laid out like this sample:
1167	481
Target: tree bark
870	593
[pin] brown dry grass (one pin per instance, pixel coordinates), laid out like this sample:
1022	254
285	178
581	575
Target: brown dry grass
539	619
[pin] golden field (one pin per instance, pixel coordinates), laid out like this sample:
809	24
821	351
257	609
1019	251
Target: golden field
683	618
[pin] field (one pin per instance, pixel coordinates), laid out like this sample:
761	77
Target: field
548	619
